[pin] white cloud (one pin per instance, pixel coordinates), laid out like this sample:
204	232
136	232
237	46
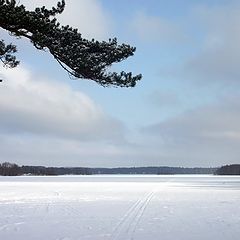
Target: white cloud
36	106
46	122
86	15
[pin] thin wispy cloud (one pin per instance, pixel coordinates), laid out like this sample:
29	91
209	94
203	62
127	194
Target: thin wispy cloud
154	29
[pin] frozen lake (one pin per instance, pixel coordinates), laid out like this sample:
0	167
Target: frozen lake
181	207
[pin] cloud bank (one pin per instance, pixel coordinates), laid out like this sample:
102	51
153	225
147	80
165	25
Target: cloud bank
36	106
206	136
45	122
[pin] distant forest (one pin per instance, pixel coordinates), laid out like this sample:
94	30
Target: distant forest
233	169
153	170
12	169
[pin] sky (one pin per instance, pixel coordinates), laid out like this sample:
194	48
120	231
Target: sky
184	112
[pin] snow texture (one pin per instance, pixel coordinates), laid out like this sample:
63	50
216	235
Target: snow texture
120	208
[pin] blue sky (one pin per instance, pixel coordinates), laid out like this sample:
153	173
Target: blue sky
184	112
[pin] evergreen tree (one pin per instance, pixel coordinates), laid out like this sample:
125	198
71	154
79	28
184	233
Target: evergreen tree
81	58
9	169
232	169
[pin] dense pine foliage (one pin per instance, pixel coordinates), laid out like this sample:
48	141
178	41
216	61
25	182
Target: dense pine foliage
81	58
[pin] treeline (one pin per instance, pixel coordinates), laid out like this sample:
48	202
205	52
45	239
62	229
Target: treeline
40	170
11	169
233	169
153	170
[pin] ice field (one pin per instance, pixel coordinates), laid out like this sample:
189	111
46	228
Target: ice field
185	207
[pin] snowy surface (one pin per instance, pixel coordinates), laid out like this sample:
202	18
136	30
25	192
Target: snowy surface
120	207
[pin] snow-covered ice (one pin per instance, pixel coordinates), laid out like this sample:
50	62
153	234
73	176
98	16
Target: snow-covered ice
117	207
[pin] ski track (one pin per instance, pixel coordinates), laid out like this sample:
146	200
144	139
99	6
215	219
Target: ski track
126	228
